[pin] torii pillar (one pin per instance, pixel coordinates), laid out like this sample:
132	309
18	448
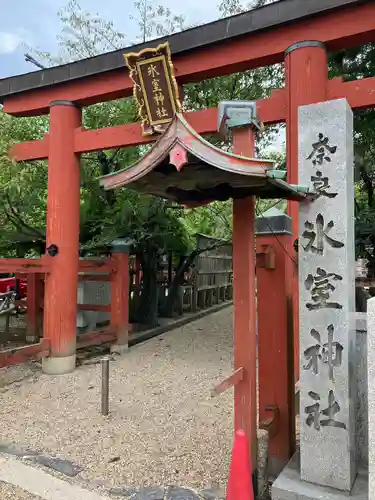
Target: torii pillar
306	79
201	170
245	342
63	209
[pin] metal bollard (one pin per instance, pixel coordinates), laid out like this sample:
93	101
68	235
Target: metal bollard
105	386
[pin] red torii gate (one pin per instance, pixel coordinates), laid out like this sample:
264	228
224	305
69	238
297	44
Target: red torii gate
294	31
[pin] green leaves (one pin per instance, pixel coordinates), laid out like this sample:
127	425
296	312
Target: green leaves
352	64
152	223
155	20
23	186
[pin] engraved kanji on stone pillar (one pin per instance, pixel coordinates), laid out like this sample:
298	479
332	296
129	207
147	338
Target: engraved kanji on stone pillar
327	285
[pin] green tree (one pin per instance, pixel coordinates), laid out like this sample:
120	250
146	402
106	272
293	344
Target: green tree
23	187
353	64
148	221
153	226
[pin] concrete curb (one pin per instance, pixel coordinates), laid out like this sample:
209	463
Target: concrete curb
154	332
42	484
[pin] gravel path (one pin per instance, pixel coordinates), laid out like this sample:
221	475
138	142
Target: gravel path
164	427
10	492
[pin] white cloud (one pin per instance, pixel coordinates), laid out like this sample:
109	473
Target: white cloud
9	42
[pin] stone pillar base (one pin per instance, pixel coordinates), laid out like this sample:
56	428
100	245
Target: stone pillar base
119	348
289	486
59	366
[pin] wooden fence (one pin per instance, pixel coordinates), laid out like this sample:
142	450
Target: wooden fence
208	282
21	321
213	274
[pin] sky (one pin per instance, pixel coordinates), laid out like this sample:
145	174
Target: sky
36	24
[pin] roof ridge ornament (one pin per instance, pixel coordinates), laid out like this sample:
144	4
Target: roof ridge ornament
178	156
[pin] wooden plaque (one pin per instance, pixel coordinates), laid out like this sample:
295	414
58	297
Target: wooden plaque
155	87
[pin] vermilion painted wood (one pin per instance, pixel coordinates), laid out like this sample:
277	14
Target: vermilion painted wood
230	381
63	211
120	298
275	347
245	342
94	277
107	265
270	111
93	307
22	354
95	338
80	307
359	93
30	150
25	266
336	29
306	75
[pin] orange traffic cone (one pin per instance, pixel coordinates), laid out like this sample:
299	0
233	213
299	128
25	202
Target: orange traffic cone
240	485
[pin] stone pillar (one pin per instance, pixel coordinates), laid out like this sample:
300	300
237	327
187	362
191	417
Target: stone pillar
275	335
327	287
371	394
120	295
60	298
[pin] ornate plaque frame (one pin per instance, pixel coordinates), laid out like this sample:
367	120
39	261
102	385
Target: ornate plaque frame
155	87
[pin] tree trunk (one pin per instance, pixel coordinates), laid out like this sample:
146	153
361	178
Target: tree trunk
176	283
147	313
179	276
